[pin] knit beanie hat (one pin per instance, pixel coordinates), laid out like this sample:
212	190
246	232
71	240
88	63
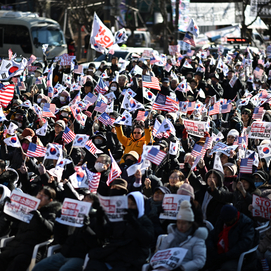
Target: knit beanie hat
186	189
185	212
233	132
228	213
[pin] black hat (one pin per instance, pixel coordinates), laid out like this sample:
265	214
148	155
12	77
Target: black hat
164	189
228	213
165	80
163	143
91	65
214	75
262	174
88	84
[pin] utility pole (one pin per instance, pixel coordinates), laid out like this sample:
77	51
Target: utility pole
177	22
106	9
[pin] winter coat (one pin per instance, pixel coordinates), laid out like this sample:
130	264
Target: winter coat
8	179
265	242
214	206
241	238
131	144
129	241
37	231
195	244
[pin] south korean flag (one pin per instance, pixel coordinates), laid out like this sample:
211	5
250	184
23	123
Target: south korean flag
80	141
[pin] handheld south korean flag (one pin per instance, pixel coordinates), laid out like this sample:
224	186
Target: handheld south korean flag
124	119
13	141
43	130
173	148
54	152
80	141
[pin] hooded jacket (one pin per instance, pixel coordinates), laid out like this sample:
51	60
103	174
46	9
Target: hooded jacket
212	209
195	244
131	144
240	202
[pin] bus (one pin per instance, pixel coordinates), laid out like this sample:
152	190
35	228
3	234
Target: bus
25	33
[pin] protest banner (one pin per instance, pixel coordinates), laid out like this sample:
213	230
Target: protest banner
171	205
32	68
261	207
196	128
73	212
169	258
260	130
20	206
115	207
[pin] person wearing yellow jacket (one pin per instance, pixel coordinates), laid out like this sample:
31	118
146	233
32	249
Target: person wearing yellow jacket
136	140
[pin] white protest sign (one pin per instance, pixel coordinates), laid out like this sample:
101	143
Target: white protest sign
171	205
233	81
20	206
260	130
73	212
169	258
196	128
261	207
115	207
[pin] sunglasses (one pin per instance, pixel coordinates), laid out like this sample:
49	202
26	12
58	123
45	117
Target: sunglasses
137	133
245	113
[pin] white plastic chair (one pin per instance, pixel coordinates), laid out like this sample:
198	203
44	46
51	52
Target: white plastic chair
262	228
145	267
241	258
35	252
85	262
209	225
4	241
52	249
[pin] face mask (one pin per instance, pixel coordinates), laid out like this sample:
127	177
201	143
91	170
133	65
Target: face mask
99	167
38	101
113	88
62	99
129	162
90	70
64	114
25	146
134	212
257	184
42	105
98	141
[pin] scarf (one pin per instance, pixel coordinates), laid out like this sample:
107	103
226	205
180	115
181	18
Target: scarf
223	237
179	237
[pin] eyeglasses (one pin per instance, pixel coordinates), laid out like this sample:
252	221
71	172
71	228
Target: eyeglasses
136	133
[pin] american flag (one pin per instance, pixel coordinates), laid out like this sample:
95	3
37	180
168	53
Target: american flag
191	106
5	131
214	109
258	72
258	113
93	180
226	108
197	150
90	98
6	94
142	115
150	82
100	107
165	103
35	150
188	38
246	165
78	69
68	135
46	112
91	147
77	98
105	119
31	60
190	53
115	170
207	145
155	156
264	94
101	87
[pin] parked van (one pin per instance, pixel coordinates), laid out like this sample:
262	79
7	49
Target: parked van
141	39
25	33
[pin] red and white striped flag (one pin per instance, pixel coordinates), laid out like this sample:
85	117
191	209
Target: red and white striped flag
214	109
115	170
142	115
36	150
6	94
226	108
10	53
258	113
165	103
155	156
93	180
150	82
91	147
105	119
100	107
31	60
246	165
197	150
68	135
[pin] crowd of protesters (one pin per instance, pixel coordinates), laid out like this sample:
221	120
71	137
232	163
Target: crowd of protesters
227	94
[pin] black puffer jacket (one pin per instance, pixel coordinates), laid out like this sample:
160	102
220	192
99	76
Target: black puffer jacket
212	209
37	231
8	179
241	238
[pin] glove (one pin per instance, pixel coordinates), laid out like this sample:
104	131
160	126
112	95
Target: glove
184	134
147	123
206	134
130	217
7	199
37	215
